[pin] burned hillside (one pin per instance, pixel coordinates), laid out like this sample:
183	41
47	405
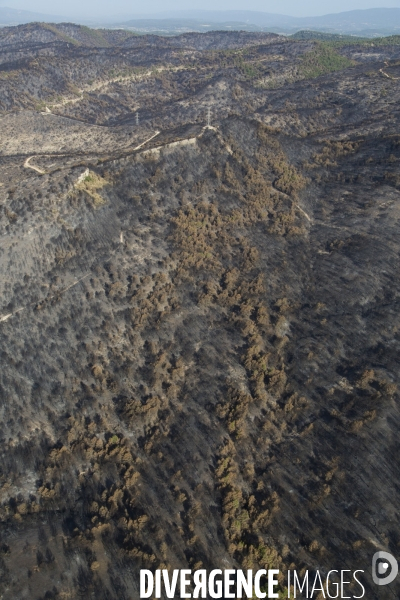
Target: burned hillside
200	306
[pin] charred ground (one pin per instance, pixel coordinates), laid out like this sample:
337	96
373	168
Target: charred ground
199	325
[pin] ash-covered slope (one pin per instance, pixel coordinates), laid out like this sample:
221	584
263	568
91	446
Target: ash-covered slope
199	325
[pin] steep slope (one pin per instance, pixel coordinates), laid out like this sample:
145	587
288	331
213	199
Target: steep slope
199	324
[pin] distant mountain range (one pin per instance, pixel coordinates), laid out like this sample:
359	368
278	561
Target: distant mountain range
12	16
370	22
376	21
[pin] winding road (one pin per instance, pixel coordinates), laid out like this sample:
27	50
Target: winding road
27	163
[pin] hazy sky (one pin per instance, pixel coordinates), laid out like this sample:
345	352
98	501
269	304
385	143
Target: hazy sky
97	8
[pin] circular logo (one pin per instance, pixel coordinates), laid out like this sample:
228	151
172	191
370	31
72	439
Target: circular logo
384	568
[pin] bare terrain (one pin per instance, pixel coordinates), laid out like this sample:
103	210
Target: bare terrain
200	306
